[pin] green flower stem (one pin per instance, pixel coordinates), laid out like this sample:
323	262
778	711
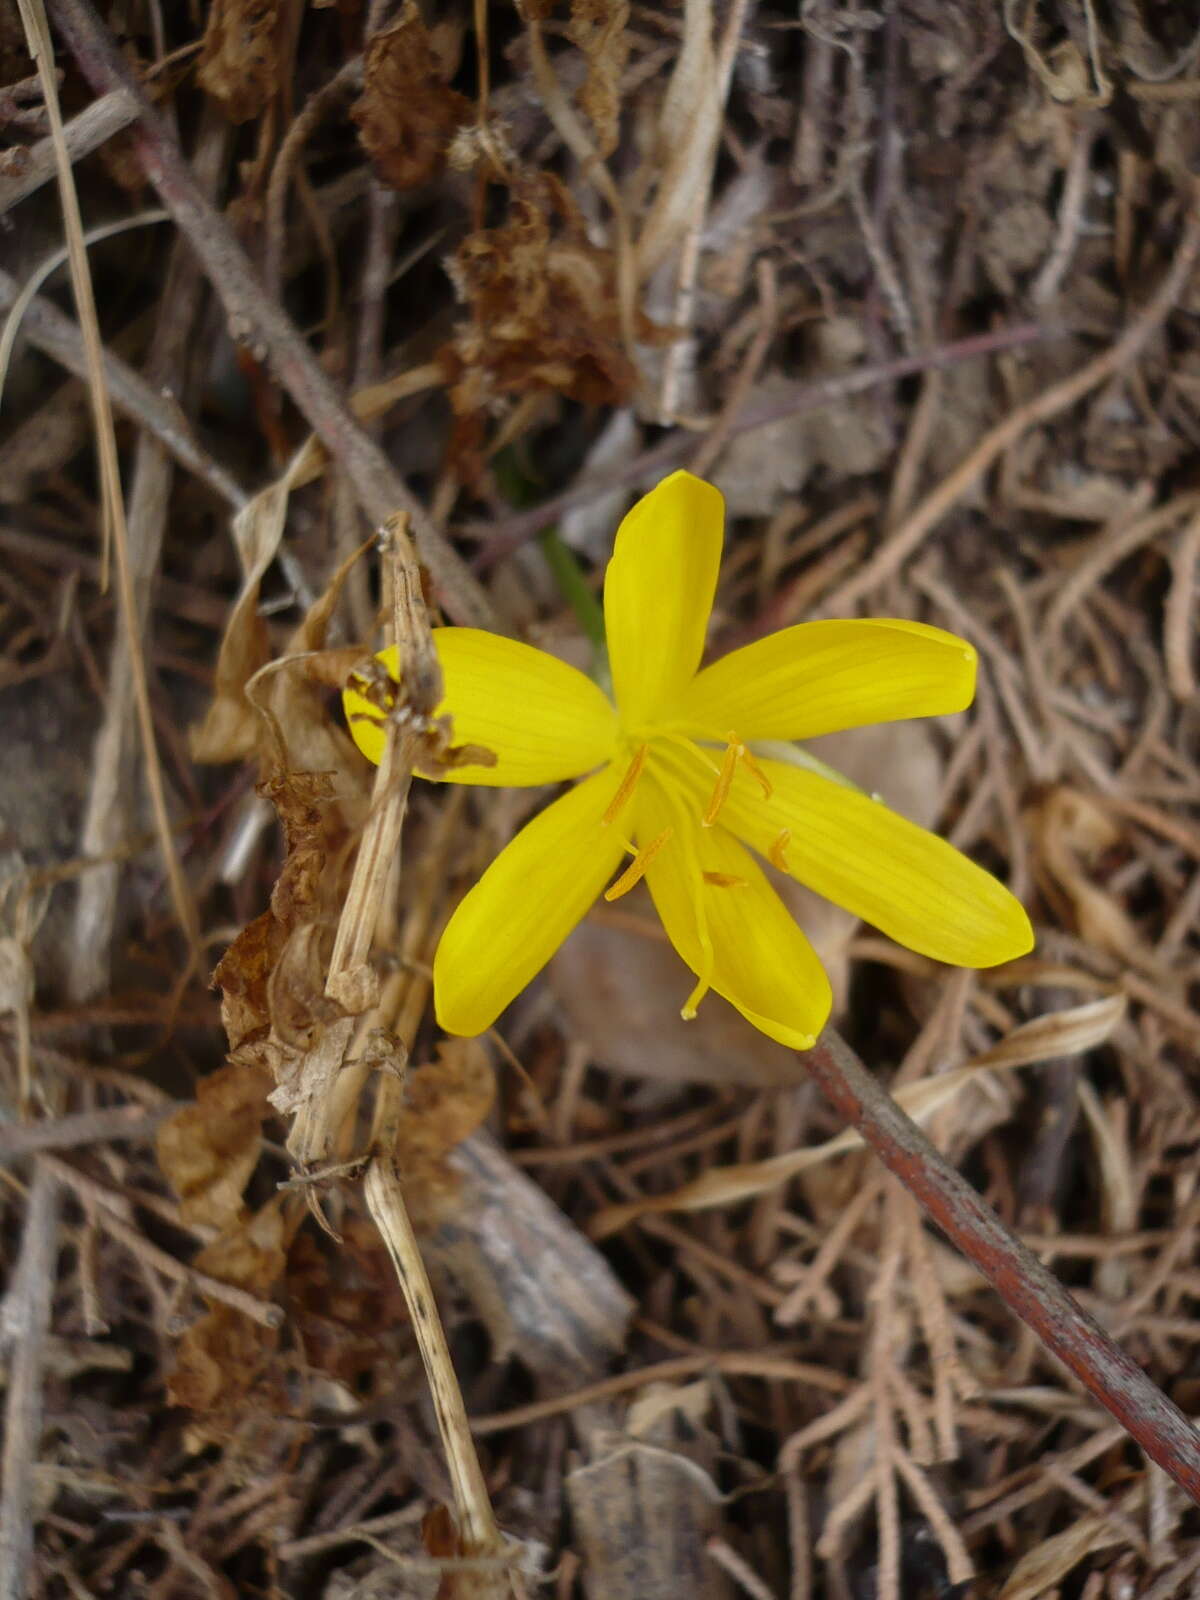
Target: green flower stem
579	595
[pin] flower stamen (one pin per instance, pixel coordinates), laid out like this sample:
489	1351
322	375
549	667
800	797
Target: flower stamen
636	870
735	751
724	880
723	785
627	785
777	854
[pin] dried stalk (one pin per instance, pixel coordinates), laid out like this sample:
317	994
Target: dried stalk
27	1309
385	1199
113	777
37	33
351	981
83	134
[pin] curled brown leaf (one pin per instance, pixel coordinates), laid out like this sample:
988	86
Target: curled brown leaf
407	114
239	64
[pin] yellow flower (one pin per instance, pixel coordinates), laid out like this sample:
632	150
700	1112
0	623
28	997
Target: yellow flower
671	788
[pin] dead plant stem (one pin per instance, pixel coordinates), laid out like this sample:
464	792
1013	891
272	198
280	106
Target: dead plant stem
385	1200
84	133
113	777
504	536
27	1311
37	32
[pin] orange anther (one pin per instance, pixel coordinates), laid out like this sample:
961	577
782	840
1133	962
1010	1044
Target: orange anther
721	790
636	870
777	854
628	784
724	880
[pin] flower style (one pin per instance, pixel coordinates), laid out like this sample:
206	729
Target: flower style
673	787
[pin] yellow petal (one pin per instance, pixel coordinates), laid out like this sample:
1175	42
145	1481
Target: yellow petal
735	932
544	720
658	593
856	852
820	677
525	905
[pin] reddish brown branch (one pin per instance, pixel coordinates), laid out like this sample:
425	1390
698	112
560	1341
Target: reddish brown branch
1029	1290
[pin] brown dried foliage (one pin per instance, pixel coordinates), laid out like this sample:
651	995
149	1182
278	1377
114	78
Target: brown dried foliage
346	1308
224	1356
272	977
597	28
542	312
239	64
209	1150
407	114
445	1102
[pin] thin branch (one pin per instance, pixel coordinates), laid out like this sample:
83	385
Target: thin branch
125	1123
1029	1290
83	134
113	780
27	1322
60	338
502	538
384	1195
37	32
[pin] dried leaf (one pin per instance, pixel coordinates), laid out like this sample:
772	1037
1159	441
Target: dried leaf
347	1309
687	139
545	1292
659	1473
542	310
445	1102
597	28
230	730
259	705
247	974
1072	833
239	63
276	1012
1040	1569
1120	1190
209	1150
226	1355
407	115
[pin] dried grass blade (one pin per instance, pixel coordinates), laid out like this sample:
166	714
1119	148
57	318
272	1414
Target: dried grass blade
1061	1034
37	32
